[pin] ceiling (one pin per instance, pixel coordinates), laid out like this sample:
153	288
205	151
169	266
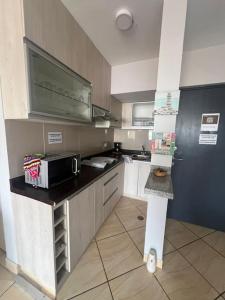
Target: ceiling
204	28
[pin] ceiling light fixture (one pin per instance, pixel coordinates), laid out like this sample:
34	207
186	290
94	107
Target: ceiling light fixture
124	19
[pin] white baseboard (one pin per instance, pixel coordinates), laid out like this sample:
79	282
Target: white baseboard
11	266
135	197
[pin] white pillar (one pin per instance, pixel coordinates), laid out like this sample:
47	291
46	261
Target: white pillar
169	70
5	195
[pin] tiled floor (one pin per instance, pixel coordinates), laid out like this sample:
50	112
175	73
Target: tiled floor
112	267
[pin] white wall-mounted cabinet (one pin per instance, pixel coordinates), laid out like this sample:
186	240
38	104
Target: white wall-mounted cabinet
65	40
127	116
135	178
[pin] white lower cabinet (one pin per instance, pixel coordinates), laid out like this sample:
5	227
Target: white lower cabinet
135	178
131	178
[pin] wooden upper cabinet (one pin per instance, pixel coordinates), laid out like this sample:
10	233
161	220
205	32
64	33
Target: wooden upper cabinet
95	73
116	108
106	85
50	25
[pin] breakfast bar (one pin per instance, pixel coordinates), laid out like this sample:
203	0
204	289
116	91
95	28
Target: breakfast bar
159	189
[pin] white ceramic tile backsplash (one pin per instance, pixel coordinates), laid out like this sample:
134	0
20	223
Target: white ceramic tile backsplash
132	139
25	137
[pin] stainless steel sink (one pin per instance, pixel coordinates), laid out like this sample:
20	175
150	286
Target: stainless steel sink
141	156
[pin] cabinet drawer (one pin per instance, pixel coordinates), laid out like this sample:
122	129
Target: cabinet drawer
110	185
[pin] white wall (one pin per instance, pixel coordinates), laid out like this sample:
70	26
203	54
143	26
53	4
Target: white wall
6	202
133	77
203	66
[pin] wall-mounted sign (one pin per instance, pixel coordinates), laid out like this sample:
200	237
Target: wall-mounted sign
55	137
167	103
210	122
207	139
163	143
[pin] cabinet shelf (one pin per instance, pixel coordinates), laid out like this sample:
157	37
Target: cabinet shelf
59	220
60	262
61	94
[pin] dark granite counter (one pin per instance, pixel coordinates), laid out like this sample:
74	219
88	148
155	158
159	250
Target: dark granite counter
87	176
159	186
53	196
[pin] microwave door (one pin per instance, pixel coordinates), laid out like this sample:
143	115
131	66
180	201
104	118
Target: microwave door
60	170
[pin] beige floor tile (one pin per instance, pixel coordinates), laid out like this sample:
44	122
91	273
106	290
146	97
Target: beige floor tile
15	292
112	226
143	209
208	262
181	281
137	285
198	230
178	234
138	236
125	202
129	202
168	247
101	292
128	216
88	273
119	255
6	279
217	241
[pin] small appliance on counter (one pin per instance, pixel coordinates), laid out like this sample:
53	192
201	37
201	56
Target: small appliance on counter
52	169
117	147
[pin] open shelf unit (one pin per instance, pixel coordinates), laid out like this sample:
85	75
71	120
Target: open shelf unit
60	242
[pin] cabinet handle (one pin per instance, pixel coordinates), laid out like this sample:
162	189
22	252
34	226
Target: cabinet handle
111	179
107	200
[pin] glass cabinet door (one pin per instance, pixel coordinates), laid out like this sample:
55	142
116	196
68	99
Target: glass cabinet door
55	90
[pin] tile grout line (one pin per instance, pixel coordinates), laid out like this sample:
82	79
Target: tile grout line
220	295
161	286
11	285
129	234
144	264
88	290
213	249
105	238
198	272
194	232
104	269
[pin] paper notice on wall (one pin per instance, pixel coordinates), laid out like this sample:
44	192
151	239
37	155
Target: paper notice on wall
55	137
210	122
207	139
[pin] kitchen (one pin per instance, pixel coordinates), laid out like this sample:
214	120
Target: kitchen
94	235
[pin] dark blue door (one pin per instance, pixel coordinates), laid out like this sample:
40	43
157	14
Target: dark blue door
199	170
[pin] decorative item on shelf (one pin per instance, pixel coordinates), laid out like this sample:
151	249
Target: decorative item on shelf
159	172
162	143
167	103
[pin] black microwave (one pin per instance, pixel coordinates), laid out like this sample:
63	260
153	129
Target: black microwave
55	169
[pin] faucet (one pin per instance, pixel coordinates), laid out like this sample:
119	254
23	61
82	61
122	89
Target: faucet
143	148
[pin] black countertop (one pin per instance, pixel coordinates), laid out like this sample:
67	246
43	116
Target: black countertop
53	196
